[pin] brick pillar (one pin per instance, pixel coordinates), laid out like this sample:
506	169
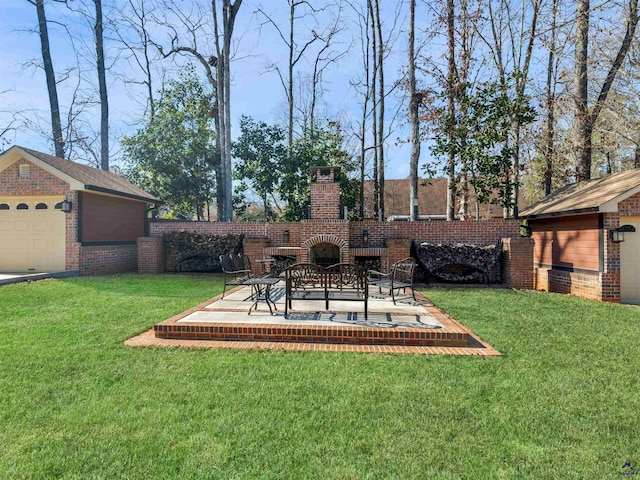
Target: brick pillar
152	256
397	249
518	262
254	249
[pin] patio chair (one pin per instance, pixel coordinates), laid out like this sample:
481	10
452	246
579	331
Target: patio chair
399	278
236	270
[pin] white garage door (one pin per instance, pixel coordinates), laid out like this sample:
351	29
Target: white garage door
630	262
32	234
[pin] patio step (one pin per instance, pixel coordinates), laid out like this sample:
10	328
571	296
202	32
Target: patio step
444	337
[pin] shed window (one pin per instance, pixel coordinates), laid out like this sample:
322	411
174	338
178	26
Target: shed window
4	206
25	171
22	206
42	206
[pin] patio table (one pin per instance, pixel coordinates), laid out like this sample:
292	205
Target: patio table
261	288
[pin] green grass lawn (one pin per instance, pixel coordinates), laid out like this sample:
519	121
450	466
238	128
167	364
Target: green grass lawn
76	403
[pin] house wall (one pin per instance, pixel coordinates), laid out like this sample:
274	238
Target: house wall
110	219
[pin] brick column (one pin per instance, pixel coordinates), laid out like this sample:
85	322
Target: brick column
152	256
397	249
254	249
518	262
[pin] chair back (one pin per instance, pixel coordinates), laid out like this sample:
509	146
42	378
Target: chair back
402	270
304	275
347	274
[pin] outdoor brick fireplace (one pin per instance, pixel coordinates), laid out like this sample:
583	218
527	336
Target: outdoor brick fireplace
325	238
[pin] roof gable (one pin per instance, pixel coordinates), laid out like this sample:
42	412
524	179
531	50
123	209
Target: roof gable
80	177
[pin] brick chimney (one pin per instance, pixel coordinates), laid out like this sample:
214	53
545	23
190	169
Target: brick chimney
325	193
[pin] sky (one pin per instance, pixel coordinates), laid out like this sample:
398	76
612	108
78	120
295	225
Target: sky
255	91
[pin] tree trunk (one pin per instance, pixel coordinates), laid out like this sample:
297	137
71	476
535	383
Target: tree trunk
451	108
582	121
550	103
584	118
374	111
56	125
102	86
414	104
292	12
223	100
380	142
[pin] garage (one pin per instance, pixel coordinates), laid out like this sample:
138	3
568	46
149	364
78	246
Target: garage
630	260
59	216
587	241
31	234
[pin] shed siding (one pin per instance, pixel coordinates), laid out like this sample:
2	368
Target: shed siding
111	219
569	242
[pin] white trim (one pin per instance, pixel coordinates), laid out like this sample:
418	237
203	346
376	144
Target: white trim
612	205
15	153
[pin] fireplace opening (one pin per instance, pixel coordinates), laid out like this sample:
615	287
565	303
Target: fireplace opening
324	254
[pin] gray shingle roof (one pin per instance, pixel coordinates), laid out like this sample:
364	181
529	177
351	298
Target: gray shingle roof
93	178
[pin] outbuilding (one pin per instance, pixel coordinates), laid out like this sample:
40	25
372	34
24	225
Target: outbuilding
587	239
58	215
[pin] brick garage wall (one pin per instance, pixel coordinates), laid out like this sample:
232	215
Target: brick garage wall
152	255
40	182
586	285
72	245
108	259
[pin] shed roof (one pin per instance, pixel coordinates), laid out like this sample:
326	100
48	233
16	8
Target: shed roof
596	195
81	177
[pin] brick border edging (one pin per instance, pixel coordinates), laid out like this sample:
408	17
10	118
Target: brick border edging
148	338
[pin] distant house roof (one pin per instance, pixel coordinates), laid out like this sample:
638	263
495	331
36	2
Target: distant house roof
80	177
596	195
432	198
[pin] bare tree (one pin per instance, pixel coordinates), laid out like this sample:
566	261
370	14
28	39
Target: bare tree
134	35
102	88
364	88
452	82
513	34
223	34
415	98
586	116
56	125
380	138
299	47
550	101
